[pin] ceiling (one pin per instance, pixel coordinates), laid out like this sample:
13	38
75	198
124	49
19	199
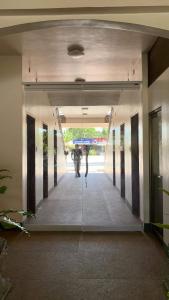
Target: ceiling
92	111
109	54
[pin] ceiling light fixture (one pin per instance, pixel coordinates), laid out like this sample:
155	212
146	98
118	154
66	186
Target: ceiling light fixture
80	80
75	51
84	108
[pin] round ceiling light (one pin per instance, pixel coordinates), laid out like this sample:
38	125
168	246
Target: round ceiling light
80	80
75	51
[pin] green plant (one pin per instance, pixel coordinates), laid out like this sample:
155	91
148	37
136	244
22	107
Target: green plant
5	218
163	226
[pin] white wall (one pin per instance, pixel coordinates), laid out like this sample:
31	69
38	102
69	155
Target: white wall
37	105
13	149
11	98
129	105
159	96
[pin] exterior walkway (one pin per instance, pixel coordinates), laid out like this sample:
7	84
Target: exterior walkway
79	205
85	266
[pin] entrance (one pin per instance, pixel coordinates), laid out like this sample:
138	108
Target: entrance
114	158
55	157
156	182
31	199
122	160
45	161
135	165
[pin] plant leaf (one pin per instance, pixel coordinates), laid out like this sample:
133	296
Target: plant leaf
9	221
165	191
5	176
164	226
3	189
21	212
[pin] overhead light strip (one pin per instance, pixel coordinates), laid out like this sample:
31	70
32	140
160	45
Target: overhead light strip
86	86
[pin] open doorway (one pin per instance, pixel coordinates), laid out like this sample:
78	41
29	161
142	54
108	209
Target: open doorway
88	201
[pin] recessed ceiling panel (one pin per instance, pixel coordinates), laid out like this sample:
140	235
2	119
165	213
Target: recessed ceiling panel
109	55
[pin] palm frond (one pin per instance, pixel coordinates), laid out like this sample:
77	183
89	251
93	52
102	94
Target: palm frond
5	176
166	192
3	189
9	221
21	212
163	226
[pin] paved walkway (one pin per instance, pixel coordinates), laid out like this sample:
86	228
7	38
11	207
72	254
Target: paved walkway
85	266
77	204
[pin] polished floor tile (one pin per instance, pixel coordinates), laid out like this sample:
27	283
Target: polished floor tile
85	266
94	202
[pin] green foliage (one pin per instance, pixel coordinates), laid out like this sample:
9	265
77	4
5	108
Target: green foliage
92	152
77	133
163	226
165	191
5	219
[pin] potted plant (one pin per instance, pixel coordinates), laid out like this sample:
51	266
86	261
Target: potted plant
6	220
165	226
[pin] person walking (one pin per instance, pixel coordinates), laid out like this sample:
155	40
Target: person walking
76	156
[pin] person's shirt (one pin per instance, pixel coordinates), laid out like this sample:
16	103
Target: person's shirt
76	154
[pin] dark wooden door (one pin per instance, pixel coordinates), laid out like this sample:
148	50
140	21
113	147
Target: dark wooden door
156	180
31	199
55	157
122	159
114	158
45	161
135	165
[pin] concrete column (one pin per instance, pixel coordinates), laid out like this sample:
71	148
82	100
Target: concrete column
145	139
11	97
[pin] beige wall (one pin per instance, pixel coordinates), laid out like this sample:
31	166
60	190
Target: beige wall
37	105
13	148
129	105
11	97
159	96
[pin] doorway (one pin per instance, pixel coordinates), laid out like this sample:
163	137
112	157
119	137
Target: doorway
45	161
156	181
122	160
31	198
114	158
135	165
55	157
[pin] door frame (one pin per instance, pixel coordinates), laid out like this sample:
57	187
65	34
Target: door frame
114	156
153	228
135	193
122	152
55	156
45	164
31	176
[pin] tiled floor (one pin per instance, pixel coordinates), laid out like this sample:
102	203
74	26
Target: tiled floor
97	205
85	266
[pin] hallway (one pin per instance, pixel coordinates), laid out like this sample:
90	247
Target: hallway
85	266
80	204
